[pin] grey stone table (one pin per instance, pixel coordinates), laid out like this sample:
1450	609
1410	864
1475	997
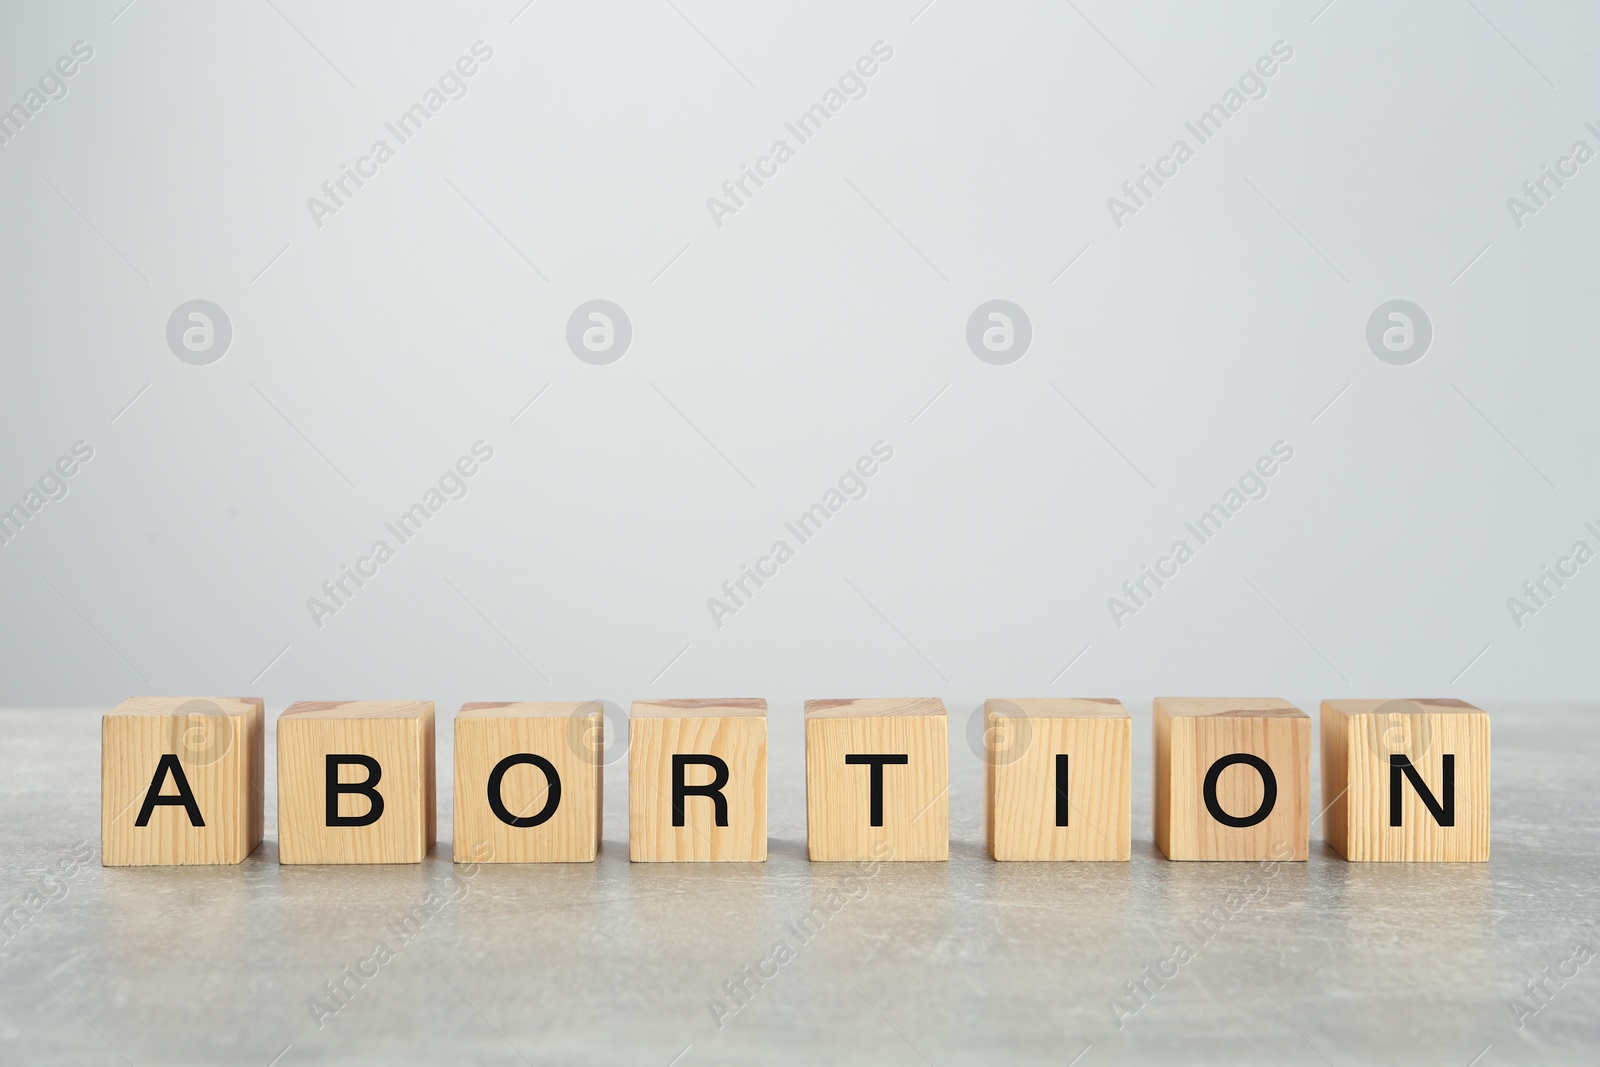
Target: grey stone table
962	962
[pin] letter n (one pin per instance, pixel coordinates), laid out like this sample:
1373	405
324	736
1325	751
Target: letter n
1444	814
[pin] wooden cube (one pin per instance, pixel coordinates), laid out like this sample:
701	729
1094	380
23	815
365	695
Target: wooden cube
1058	779
877	779
1406	780
1233	779
181	780
528	782
697	780
355	781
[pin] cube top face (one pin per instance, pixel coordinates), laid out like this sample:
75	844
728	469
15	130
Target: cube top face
877	779
379	806
1233	779
872	706
1429	705
191	769
679	709
1199	707
186	706
528	782
697	781
1036	752
358	709
1057	708
1406	780
525	709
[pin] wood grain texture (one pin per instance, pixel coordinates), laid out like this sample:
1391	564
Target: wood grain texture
915	798
732	730
1358	738
1022	739
1191	735
571	737
396	733
219	745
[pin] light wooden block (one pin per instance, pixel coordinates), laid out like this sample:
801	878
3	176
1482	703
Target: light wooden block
1360	742
191	769
914	791
528	782
1032	811
1235	744
694	744
396	735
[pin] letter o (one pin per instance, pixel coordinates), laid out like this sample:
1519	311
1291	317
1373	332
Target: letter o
1269	790
552	798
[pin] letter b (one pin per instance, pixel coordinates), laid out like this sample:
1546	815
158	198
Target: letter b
368	788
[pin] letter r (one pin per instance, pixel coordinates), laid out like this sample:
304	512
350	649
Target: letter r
719	771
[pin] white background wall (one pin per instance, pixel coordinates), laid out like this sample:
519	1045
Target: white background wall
768	353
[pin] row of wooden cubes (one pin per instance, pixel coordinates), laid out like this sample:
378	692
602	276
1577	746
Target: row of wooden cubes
183	780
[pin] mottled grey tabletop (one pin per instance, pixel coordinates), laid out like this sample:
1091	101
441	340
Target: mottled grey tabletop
941	963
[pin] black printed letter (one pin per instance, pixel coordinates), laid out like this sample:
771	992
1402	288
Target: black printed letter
497	803
719	771
1269	790
183	798
1443	814
1061	789
876	780
368	788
